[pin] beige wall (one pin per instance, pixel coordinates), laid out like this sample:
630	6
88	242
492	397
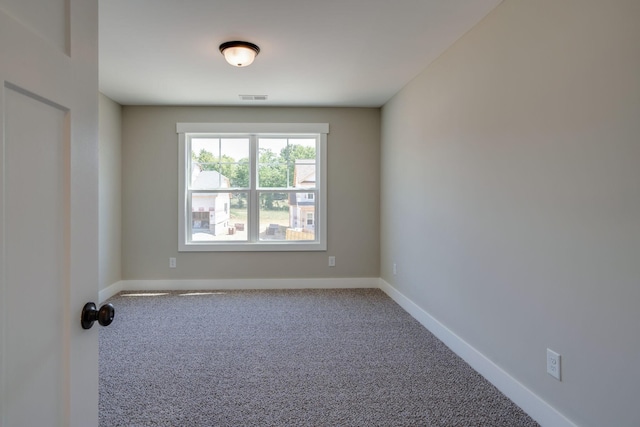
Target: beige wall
150	197
109	199
513	165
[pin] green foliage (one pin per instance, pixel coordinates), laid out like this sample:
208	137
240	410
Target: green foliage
240	176
236	171
272	172
276	170
206	160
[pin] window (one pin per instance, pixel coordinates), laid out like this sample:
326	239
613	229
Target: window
252	186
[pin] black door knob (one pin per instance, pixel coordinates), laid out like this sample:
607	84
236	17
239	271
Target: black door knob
90	314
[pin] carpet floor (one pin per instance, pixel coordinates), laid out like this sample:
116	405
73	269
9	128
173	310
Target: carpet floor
285	358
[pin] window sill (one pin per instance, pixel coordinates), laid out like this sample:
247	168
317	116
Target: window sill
252	247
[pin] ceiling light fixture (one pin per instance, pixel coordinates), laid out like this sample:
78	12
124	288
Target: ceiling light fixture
239	54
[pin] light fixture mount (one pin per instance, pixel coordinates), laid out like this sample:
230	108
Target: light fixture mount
239	53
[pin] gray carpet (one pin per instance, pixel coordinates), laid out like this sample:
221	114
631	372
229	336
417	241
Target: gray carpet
286	358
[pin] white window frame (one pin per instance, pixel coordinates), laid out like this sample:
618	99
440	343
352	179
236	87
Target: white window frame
253	130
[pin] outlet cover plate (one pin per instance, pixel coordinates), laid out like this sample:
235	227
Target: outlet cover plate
553	364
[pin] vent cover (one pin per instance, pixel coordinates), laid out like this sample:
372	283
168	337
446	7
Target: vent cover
253	97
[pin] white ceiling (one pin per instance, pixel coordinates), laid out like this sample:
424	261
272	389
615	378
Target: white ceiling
355	53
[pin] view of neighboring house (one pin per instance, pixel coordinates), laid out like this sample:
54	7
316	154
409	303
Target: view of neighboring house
210	211
302	205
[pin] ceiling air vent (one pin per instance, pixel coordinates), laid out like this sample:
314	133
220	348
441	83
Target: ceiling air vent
253	97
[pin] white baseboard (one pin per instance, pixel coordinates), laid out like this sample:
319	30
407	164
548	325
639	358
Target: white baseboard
110	291
531	403
229	284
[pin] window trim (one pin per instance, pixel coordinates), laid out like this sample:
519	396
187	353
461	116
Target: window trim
253	129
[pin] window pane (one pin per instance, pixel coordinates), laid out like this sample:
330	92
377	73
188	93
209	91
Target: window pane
235	148
304	173
240	177
286	216
207	145
218	216
219	163
272	168
287	162
275	145
301	161
273	175
234	164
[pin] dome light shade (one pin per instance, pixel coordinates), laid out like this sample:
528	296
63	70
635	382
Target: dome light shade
239	54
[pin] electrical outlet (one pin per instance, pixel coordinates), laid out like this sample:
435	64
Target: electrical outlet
395	268
172	263
332	261
553	364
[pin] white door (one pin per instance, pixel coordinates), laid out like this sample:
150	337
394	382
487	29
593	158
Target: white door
48	212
